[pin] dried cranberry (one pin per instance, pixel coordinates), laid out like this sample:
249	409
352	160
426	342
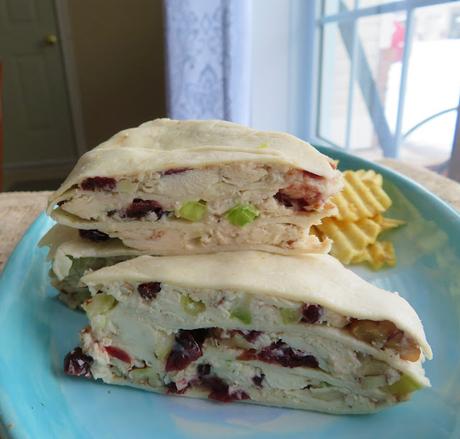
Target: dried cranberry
220	390
149	290
248	355
250	336
311	313
93	235
98	183
257	379
302	191
200	335
172	388
308	202
176	171
203	369
285	200
118	353
186	349
215	332
311	175
281	353
77	363
140	208
218	387
311	200
60	203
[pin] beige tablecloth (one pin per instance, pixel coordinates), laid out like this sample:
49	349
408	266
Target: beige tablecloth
19	209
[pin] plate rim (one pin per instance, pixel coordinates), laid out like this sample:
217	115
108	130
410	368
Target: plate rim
452	215
385	170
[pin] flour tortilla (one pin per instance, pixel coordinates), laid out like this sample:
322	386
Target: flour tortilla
164	144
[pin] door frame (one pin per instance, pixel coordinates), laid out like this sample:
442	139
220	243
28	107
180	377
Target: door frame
68	55
13	173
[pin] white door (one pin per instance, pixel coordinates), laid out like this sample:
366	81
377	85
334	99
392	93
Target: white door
38	131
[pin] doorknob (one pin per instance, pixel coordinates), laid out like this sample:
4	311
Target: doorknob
51	39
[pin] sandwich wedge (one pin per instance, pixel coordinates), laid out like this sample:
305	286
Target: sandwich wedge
291	331
185	187
72	255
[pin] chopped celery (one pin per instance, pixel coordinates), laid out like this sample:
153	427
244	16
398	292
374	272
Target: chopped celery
289	315
99	304
81	265
242	214
263	146
192	210
373	381
403	387
242	313
164	346
191	306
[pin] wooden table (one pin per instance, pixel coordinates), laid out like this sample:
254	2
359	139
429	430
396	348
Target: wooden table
19	209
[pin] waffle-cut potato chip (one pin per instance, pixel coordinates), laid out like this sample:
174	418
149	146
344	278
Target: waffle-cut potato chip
369	176
350	239
355	228
362	196
388	223
377	255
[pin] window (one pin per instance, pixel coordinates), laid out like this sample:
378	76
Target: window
388	78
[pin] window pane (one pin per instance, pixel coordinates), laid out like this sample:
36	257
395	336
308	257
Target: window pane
379	54
433	84
335	77
368	3
332	7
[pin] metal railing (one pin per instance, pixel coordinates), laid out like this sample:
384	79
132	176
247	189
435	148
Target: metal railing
346	20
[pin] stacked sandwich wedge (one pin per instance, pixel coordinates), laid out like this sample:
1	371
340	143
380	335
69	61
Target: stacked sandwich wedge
188	245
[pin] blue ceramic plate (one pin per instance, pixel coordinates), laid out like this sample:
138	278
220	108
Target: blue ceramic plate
38	401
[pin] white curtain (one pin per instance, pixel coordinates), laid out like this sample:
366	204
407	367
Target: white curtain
208	59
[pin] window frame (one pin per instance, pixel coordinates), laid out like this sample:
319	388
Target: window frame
314	22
